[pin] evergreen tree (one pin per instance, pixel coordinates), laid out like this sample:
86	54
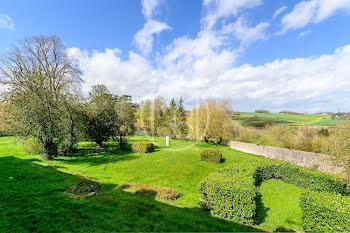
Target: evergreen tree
182	128
171	118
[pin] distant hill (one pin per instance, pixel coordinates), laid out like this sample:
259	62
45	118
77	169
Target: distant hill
256	120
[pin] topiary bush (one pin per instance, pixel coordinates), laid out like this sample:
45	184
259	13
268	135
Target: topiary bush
232	193
325	212
211	155
142	147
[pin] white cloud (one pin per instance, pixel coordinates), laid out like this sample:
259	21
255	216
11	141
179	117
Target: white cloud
304	33
144	37
246	34
148	6
313	11
216	9
279	11
204	67
134	76
304	84
6	22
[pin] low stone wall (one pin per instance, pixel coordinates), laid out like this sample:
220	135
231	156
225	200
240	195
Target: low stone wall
306	159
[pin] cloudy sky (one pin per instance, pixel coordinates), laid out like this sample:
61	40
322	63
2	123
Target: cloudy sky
264	54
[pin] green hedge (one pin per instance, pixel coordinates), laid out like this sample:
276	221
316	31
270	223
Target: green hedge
142	147
301	177
325	212
231	193
212	155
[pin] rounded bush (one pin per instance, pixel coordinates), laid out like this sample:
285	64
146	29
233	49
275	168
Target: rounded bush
142	147
211	155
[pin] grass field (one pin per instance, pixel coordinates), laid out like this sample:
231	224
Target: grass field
281	201
290	119
33	198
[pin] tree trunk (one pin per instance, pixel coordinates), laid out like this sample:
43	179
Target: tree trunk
50	150
99	144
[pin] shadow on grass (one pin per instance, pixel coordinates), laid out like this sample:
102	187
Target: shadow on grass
32	199
284	229
261	210
95	156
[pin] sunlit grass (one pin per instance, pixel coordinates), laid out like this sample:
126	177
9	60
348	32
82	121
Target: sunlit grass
177	167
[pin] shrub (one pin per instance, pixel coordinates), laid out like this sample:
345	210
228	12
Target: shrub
259	124
305	138
281	135
325	212
144	189
212	155
262	111
142	147
31	145
324	132
231	193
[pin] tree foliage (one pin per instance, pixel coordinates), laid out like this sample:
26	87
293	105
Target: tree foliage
109	116
126	119
338	144
212	121
41	81
101	115
162	119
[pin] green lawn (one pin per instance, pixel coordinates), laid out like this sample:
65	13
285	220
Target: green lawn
290	119
34	196
281	203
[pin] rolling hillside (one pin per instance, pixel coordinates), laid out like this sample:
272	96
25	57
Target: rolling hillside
252	119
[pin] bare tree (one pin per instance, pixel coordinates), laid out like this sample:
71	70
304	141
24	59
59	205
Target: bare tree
40	82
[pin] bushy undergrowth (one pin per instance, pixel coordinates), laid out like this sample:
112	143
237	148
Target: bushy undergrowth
142	147
325	212
303	138
32	146
231	193
211	155
144	189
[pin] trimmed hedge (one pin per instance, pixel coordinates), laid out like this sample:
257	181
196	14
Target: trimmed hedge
231	193
142	147
211	155
301	177
325	212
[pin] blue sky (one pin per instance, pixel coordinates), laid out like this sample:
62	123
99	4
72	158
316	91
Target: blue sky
286	54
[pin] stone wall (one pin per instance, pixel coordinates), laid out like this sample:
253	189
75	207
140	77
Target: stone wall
306	159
